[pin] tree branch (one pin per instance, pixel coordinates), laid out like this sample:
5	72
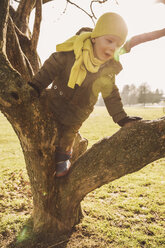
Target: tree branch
37	23
91	16
46	1
22	15
21	22
141	38
8	76
127	151
91	6
4	7
31	57
98	1
22	37
17	58
12	11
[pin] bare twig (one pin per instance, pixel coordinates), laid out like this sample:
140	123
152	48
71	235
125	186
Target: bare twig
91	16
96	1
37	23
65	7
91	8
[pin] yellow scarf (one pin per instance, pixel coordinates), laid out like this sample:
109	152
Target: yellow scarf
84	57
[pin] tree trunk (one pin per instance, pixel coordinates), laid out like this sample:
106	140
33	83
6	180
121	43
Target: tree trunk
57	201
53	213
37	131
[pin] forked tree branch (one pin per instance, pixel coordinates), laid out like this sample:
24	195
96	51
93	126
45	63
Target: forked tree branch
92	16
77	6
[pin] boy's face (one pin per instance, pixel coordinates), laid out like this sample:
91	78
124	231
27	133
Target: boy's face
105	46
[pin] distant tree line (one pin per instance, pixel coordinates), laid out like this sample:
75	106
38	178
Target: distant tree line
131	95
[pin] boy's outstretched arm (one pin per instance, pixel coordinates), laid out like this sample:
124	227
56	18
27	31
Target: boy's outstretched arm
115	108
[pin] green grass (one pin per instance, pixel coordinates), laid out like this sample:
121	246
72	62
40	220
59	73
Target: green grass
129	212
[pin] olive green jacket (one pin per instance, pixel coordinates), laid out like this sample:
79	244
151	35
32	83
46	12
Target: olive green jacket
79	102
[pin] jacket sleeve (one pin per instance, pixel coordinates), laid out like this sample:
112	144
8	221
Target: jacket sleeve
114	105
51	68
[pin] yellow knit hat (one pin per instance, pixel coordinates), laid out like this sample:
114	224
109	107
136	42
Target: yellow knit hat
111	23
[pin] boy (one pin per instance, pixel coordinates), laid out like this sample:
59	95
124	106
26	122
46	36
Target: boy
82	67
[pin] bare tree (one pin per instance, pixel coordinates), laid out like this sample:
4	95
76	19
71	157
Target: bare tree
57	201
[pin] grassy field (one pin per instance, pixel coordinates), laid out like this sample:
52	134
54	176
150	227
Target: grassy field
129	212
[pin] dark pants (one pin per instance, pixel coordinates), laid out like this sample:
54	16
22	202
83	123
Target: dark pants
69	118
67	136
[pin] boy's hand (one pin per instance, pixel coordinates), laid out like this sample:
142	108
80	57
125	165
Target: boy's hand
29	93
128	121
35	92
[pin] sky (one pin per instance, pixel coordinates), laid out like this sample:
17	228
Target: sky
144	64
